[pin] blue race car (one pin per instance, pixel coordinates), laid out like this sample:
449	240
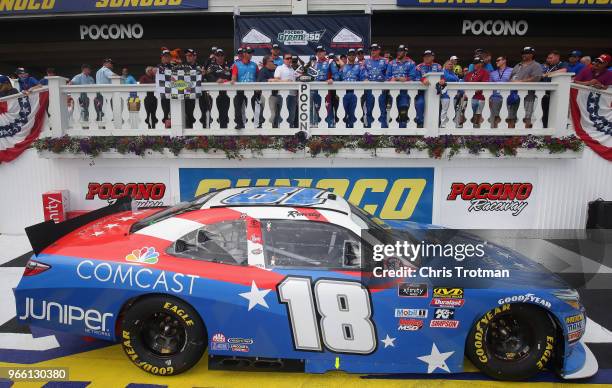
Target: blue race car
283	278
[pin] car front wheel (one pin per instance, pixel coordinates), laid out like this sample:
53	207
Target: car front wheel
163	335
512	342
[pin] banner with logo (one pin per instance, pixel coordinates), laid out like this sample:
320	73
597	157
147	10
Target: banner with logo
489	198
592	118
99	186
388	193
39	7
179	84
508	4
21	121
301	34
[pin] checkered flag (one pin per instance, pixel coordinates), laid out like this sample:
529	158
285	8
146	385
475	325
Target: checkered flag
179	84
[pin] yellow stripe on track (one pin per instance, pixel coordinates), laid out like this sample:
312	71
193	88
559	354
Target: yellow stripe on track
109	368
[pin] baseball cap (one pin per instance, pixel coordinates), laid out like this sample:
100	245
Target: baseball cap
603	58
331	55
20	70
320	48
213	49
191	51
478	50
575	53
428	52
454	58
219	51
477	60
4	79
248	50
374	46
351	51
107	60
275	46
528	50
240	50
401	47
165	52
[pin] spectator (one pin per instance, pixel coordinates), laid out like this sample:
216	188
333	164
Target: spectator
553	66
6	87
456	67
528	70
50	73
427	66
360	56
243	71
103	77
502	74
598	76
127	78
575	65
165	64
26	82
83	78
479	74
150	102
275	55
449	76
191	62
220	72
586	61
211	57
266	73
350	72
486	57
401	69
286	73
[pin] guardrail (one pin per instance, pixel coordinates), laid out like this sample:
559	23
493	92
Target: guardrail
266	109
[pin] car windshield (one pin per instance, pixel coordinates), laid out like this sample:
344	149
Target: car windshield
180	208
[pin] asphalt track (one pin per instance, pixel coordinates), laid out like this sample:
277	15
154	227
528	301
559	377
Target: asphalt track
94	363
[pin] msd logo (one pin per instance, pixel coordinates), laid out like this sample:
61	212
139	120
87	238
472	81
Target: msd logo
487	197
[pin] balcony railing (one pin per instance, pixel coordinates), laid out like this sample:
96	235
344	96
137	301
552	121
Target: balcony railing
121	110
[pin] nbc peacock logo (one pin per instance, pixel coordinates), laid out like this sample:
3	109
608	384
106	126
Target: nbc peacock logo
145	255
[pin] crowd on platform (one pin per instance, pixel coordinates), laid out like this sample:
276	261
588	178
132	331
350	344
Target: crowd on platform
354	66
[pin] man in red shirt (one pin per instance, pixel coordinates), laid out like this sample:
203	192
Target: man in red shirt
479	74
598	75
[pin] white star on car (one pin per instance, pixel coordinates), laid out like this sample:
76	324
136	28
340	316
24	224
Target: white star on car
96	234
436	359
255	296
388	341
126	218
110	226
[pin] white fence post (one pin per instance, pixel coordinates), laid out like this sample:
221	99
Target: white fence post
432	105
117	104
58	106
558	106
177	116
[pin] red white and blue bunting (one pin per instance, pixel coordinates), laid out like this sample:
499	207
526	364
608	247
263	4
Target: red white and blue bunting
21	120
592	118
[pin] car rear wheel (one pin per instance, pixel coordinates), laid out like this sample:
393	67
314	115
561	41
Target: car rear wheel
512	342
163	335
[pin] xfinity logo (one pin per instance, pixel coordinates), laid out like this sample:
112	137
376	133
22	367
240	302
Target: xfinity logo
495	27
111	31
95	321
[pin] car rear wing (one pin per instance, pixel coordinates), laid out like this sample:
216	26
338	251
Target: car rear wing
46	233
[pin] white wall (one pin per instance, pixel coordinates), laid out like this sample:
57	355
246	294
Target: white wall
564	186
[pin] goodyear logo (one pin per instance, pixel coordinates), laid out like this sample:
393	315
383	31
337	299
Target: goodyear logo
442	292
387	193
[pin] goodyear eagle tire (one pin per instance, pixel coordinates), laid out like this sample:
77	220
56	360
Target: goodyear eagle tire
163	336
512	342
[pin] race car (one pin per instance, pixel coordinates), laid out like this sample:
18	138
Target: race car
280	278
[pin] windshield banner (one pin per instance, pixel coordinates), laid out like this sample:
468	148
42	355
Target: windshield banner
393	194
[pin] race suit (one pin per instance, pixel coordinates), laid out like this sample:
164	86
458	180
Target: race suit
419	103
398	69
375	70
323	68
350	73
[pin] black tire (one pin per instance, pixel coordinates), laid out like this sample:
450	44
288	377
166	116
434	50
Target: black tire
163	335
512	342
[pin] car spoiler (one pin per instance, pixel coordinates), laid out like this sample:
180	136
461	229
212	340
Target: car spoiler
46	233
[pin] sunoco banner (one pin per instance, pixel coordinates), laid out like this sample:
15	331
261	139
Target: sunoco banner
388	193
508	4
38	7
301	34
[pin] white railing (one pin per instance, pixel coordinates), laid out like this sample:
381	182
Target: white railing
128	110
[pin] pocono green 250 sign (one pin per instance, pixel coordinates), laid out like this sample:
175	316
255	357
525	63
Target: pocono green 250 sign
388	193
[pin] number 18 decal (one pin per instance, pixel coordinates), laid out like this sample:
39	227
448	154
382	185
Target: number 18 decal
345	309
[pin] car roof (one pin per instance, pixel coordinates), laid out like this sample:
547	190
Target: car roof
314	198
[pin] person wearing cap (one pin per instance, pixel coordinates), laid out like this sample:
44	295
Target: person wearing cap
284	73
244	70
401	69
597	76
275	55
375	70
449	76
83	78
574	64
191	63
211	57
528	70
478	74
456	67
350	72
361	56
6	87
165	64
220	72
25	80
103	77
486	57
427	66
500	74
322	66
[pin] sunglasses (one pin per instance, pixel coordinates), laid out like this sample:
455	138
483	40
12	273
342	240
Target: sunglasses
287	58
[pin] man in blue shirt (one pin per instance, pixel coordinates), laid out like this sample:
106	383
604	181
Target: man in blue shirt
103	78
275	55
574	64
26	82
50	73
401	69
350	72
502	74
486	57
83	78
322	66
375	69
243	70
427	66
